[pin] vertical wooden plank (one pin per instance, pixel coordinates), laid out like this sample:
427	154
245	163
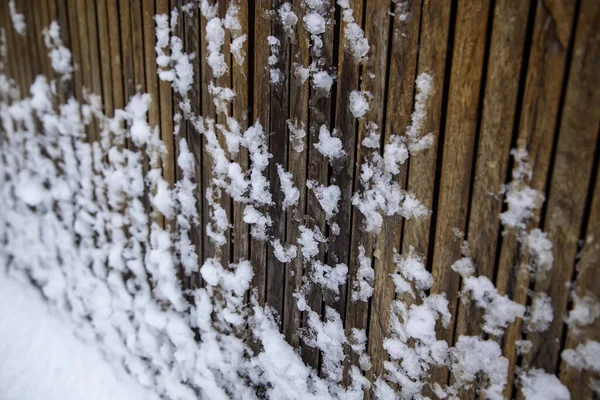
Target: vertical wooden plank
208	111
461	121
166	112
81	30
342	171
539	111
318	169
399	104
579	382
126	49
376	14
72	30
433	50
499	106
35	38
137	40
261	112
115	53
297	167
94	78
278	146
240	110
105	57
225	81
575	152
193	45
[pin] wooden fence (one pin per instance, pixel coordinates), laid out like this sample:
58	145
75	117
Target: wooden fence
506	74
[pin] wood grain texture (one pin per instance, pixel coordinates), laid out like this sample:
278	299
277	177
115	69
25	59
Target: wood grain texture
457	156
342	171
539	113
320	114
193	44
505	74
260	113
575	153
398	109
278	147
299	94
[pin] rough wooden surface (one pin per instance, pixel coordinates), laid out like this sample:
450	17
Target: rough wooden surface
505	74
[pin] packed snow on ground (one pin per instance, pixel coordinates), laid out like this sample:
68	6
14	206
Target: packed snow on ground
40	358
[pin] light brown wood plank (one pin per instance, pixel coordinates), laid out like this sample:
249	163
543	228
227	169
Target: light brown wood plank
579	382
399	105
575	152
459	140
541	99
105	59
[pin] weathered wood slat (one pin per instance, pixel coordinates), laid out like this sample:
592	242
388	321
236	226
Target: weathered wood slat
105	60
192	44
433	46
297	167
278	146
541	99
318	169
342	172
399	105
496	129
115	54
575	153
240	75
587	285
260	112
166	112
459	140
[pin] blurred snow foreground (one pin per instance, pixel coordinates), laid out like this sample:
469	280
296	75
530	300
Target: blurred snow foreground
79	224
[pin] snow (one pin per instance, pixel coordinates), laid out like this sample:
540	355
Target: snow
354	36
540	314
17	18
329	145
215	38
540	248
329	277
314	23
585	356
309	241
499	310
291	194
472	356
359	104
464	267
328	197
539	385
237	49
362	287
288	18
60	56
585	311
284	254
521	199
39	347
322	81
297	135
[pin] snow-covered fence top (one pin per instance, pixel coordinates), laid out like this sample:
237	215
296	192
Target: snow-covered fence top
311	198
